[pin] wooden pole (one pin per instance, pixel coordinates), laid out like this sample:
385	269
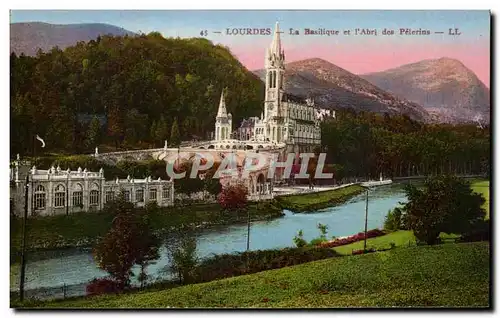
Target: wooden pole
366	219
248	229
23	250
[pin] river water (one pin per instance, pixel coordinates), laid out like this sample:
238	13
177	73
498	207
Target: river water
76	266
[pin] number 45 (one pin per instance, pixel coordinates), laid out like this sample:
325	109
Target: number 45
203	33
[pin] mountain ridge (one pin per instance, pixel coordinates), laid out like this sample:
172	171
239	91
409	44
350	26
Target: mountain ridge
336	88
29	37
445	87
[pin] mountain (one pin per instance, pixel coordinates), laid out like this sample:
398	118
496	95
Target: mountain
28	37
335	88
445	87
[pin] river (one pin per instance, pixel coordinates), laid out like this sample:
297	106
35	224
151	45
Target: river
76	266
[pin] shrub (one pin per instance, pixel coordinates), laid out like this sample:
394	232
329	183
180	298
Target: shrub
229	265
480	231
358	252
299	239
353	238
393	220
100	286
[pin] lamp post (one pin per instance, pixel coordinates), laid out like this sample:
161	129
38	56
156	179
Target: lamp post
366	219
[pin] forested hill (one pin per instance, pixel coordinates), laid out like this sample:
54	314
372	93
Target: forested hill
126	92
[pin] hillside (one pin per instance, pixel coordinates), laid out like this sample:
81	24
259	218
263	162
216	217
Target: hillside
445	87
28	37
336	88
448	275
140	87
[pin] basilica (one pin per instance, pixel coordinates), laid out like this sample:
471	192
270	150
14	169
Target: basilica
286	120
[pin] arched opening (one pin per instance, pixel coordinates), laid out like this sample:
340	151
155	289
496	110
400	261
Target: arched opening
227	147
261	183
211	147
40	196
234	146
248	147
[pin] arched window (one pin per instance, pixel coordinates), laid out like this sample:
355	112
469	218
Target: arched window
126	195
139	195
152	194
78	195
94	197
59	196
94	194
165	192
40	197
110	196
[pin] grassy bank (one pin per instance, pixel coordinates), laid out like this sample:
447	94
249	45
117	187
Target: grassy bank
399	238
483	187
83	229
318	200
445	275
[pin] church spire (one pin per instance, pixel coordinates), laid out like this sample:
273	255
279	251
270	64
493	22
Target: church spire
276	44
222	106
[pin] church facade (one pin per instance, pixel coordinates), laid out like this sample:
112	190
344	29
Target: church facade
286	120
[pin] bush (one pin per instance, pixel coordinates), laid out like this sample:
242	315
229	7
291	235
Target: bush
358	252
299	239
354	238
393	220
101	286
229	265
480	231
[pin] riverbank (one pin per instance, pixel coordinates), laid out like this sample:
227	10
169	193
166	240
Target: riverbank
84	229
318	200
421	276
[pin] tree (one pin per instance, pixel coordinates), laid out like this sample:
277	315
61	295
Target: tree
445	204
161	132
93	133
175	138
182	254
130	241
233	197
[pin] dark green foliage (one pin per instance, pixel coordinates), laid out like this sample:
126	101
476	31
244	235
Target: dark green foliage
366	144
130	241
299	240
182	254
228	265
394	220
175	138
93	135
445	204
130	82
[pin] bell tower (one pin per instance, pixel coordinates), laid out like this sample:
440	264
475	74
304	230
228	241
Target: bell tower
275	71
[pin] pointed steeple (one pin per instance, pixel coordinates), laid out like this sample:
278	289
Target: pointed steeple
222	112
276	44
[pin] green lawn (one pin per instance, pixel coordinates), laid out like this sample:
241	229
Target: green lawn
319	200
483	187
448	275
399	238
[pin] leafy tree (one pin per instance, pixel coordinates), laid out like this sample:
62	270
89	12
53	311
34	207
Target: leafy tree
394	220
161	132
445	204
175	139
233	197
182	254
93	133
130	241
299	239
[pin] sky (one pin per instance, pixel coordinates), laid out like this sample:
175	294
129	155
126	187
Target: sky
356	53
